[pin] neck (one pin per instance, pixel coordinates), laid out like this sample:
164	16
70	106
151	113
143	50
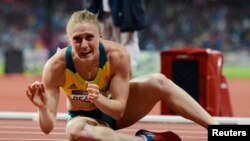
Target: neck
87	69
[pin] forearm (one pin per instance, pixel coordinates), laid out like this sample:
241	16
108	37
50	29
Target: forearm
46	120
111	107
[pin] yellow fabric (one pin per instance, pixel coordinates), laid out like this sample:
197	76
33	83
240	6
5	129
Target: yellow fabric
75	85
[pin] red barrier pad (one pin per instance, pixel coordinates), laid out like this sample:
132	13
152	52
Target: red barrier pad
199	72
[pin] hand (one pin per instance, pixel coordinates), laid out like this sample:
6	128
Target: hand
93	91
36	93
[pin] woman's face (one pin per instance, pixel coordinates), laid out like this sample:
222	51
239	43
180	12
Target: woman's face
84	39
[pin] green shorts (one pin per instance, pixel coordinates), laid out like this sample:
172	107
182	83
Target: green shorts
95	114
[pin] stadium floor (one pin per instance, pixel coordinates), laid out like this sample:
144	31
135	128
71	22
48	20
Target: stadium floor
13	99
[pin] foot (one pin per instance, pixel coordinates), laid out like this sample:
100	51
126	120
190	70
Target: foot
163	136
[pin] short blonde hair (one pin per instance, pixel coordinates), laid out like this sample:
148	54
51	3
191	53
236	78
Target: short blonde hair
82	16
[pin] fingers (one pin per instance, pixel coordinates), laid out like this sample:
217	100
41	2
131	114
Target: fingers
29	94
93	91
35	84
35	88
92	85
92	97
93	88
42	88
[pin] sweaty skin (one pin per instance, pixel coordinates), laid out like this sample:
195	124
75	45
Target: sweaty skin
129	100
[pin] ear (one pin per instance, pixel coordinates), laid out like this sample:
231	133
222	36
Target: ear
67	38
100	35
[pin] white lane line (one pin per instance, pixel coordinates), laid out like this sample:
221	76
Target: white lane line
11	139
177	131
26	127
21	132
21	123
149	118
193	137
130	128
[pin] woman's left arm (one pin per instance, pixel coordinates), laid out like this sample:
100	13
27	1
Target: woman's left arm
119	88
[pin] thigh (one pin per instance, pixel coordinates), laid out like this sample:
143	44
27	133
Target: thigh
80	122
142	98
76	128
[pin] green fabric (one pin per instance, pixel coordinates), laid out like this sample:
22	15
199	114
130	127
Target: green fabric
69	62
96	114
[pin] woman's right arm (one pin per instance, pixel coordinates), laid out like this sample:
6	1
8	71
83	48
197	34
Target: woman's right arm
45	95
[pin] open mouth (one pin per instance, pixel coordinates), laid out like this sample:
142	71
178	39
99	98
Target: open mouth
85	54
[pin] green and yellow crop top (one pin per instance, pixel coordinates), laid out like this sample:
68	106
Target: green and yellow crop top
75	85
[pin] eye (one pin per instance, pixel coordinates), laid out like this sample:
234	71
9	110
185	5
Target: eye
89	37
77	39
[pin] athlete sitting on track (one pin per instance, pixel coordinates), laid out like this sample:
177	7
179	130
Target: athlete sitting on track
94	73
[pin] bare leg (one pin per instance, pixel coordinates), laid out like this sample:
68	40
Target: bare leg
182	103
106	134
146	91
87	129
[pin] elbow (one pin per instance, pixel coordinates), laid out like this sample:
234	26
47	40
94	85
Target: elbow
47	130
119	114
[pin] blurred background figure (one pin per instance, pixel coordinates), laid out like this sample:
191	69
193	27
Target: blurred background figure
121	20
131	19
104	8
36	28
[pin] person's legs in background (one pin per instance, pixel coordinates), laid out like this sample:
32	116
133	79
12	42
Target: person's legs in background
131	42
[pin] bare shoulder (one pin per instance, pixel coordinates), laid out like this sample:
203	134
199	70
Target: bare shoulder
115	50
117	54
54	68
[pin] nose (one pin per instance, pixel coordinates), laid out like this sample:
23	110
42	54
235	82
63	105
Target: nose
84	43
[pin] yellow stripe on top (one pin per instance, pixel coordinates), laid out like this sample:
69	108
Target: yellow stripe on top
75	85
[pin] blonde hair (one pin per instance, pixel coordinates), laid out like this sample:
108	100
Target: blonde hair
82	16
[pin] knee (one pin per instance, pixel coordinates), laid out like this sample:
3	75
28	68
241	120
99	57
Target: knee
161	83
75	131
159	80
